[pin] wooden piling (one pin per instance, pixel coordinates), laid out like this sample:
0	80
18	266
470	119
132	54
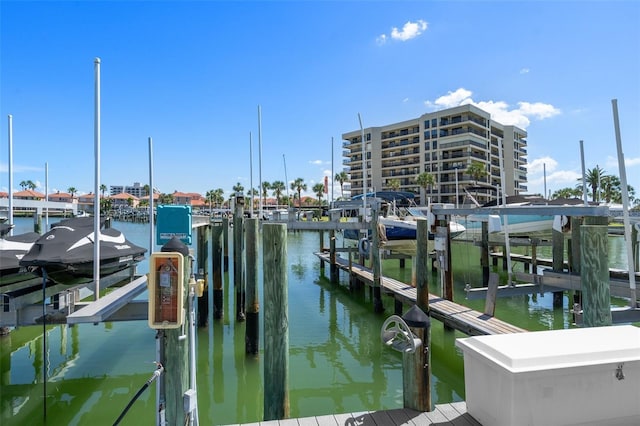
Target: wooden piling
333	268
321	248
422	262
416	367
276	322
442	231
203	273
252	331
375	260
37	223
225	245
557	249
217	242
175	359
574	266
238	257
596	296
484	253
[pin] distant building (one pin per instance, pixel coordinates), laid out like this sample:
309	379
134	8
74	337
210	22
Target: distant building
124	200
188	198
136	190
61	197
443	143
28	194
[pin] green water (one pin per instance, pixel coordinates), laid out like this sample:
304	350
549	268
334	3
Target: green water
336	361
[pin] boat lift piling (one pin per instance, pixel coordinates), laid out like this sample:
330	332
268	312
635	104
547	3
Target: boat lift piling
217	230
252	331
238	256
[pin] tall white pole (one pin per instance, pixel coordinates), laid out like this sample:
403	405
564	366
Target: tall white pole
286	179
152	242
260	158
10	212
332	175
544	174
364	171
505	220
584	175
456	187
625	205
96	200
46	196
251	175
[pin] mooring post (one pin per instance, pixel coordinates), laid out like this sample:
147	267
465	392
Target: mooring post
416	367
534	255
203	273
217	242
375	260
238	256
225	245
252	331
574	266
321	249
557	249
442	233
37	223
422	265
276	322
594	274
484	253
333	268
175	349
634	245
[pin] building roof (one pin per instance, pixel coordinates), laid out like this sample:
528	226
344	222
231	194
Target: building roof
28	193
123	196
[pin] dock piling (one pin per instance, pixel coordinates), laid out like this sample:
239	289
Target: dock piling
238	257
276	322
596	296
252	331
217	241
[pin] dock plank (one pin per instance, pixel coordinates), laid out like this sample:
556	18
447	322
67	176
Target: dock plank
452	314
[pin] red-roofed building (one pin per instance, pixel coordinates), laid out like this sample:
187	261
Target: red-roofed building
124	200
61	197
28	194
187	198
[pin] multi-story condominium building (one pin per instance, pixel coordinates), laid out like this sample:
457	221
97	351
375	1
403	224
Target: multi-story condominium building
443	143
136	190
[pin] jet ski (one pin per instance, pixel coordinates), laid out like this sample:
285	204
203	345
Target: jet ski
12	249
65	253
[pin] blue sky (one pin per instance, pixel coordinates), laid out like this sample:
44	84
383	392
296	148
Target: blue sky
191	75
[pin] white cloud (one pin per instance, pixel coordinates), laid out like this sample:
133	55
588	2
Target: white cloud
409	31
612	163
499	110
316	162
524	71
537	166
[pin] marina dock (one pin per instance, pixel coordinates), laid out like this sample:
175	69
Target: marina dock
454	414
451	314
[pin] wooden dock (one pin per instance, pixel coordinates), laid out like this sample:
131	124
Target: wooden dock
451	314
454	414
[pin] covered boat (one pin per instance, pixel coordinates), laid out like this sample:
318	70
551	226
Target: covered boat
12	249
66	252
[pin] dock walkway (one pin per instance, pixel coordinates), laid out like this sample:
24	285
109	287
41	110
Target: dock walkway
451	314
454	414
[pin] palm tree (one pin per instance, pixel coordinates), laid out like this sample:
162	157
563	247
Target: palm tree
318	189
165	199
252	193
278	187
341	178
426	180
105	204
593	177
238	188
27	184
298	185
103	189
477	171
567	193
394	184
72	190
266	186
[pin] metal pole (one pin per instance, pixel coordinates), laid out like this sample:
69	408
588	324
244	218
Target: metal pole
584	176
260	158
96	201
251	175
544	174
151	217
364	171
625	205
456	187
286	185
507	245
10	216
332	175
46	196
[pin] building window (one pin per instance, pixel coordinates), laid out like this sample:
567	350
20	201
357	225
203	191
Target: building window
426	124
434	145
427	157
434	133
434	122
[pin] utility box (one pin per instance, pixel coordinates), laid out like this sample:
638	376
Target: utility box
585	376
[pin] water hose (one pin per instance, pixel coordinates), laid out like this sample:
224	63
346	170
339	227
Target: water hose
153	377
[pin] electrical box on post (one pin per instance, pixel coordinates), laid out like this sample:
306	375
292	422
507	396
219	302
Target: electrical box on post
166	289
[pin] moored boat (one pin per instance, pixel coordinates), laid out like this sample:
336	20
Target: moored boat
66	252
12	249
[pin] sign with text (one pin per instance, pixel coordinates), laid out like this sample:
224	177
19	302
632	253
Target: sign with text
173	221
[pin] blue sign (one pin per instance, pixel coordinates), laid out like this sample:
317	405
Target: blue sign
173	221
